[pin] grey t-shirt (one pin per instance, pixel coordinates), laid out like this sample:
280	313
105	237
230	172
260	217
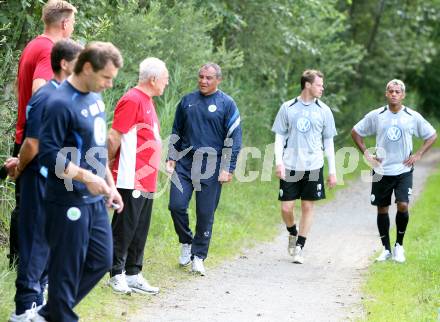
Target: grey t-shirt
304	126
394	133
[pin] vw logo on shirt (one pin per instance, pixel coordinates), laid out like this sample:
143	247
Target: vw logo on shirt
303	124
394	133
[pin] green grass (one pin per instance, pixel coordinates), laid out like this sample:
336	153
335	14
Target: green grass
7	287
411	292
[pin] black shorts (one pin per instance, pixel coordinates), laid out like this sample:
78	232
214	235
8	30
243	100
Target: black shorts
382	190
304	185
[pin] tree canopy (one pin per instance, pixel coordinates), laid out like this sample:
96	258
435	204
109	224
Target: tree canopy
263	47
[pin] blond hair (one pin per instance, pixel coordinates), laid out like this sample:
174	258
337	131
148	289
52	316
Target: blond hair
309	76
397	82
55	11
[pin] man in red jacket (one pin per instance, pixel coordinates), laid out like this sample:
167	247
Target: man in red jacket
134	148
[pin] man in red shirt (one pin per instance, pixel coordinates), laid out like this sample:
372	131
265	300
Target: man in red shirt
34	70
134	148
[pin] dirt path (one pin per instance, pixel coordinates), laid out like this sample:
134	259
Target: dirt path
264	285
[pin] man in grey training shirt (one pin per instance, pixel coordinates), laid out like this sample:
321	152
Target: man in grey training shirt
304	127
393	161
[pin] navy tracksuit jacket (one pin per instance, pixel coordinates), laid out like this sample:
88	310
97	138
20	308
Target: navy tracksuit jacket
206	139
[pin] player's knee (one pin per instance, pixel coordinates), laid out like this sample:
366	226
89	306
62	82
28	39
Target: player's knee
402	206
176	207
307	207
382	210
286	209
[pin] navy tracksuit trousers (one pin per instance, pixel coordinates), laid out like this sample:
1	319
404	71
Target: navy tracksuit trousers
207	198
33	247
81	253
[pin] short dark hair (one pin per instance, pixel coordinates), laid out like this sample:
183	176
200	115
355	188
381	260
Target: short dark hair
56	10
218	70
63	49
98	54
309	76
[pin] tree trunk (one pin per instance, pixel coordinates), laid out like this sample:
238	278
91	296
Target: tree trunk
377	19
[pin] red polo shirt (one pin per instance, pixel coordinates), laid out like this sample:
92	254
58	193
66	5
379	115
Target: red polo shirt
138	158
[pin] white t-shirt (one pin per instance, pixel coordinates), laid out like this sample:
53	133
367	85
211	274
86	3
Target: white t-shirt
394	133
304	126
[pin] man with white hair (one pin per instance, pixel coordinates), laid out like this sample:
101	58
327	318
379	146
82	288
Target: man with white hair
393	162
134	148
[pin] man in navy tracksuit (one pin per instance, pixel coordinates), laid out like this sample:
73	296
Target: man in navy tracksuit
33	250
73	148
202	155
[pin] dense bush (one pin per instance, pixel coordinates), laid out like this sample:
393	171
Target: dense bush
263	47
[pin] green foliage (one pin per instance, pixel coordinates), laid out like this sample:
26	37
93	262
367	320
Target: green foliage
262	46
281	39
168	33
398	37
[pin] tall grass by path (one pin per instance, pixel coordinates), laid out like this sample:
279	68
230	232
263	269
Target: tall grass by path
410	291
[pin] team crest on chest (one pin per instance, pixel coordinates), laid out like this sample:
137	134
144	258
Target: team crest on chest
212	108
394	133
73	213
303	124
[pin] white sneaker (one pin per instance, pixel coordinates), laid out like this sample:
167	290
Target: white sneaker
185	254
399	254
197	266
139	284
298	256
26	316
38	318
385	255
118	283
291	245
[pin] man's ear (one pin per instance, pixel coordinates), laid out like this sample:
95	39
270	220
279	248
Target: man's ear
87	68
63	64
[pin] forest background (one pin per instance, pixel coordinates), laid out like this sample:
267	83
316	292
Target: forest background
262	46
